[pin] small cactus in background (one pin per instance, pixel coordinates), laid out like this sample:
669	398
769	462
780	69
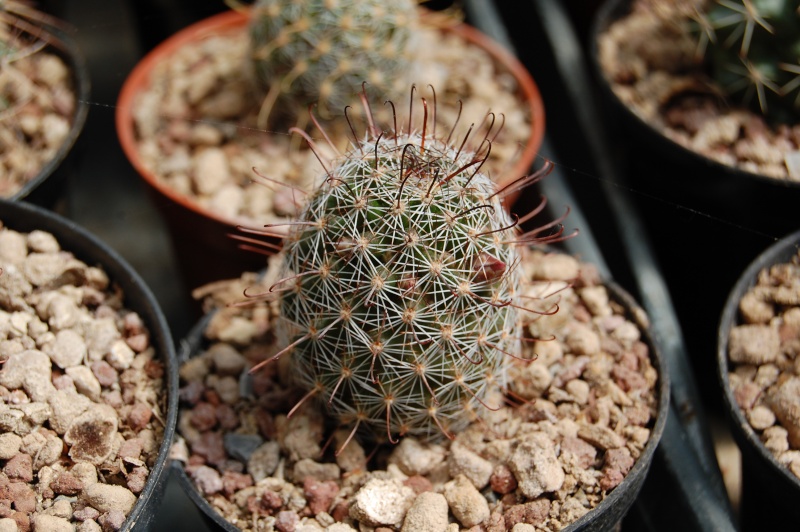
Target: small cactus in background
323	50
753	50
401	292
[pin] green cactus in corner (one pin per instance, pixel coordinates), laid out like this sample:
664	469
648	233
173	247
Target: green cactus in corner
753	50
323	50
401	289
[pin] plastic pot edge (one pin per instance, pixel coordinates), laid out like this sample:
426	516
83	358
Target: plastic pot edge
610	11
21	216
745	435
64	45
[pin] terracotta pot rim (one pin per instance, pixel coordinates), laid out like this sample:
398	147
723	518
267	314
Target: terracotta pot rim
233	20
779	252
613	10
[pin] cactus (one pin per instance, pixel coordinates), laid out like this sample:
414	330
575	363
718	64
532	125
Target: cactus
401	292
753	51
323	50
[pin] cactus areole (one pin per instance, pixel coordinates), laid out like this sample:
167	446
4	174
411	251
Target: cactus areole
398	299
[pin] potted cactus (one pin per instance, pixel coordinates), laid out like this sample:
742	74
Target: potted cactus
715	97
704	163
722	79
45	89
407	345
213	102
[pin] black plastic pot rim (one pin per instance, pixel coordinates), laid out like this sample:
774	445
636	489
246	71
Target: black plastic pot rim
612	10
189	347
21	216
64	45
780	252
622	495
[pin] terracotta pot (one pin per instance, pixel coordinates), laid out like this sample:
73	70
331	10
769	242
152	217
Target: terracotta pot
23	217
47	187
605	517
200	236
769	490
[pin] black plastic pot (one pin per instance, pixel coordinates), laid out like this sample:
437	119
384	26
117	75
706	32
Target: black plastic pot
609	513
706	184
23	217
191	346
770	492
48	187
692	208
605	517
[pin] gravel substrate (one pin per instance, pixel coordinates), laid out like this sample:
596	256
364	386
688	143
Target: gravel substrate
765	367
566	433
651	64
82	392
38	103
198	134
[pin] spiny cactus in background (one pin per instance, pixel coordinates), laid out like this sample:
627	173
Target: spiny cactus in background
323	50
401	292
753	50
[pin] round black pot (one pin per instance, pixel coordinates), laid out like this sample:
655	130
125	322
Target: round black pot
23	217
604	518
684	176
770	492
191	346
694	209
49	185
609	513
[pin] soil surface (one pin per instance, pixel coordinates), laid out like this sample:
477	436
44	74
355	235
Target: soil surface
575	416
82	392
36	110
764	354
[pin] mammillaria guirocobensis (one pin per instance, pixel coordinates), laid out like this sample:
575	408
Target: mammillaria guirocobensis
322	50
401	292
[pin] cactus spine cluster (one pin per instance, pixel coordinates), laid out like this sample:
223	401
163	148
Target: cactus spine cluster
753	50
321	51
400	297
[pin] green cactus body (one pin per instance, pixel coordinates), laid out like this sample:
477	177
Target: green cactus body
306	51
400	278
754	53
